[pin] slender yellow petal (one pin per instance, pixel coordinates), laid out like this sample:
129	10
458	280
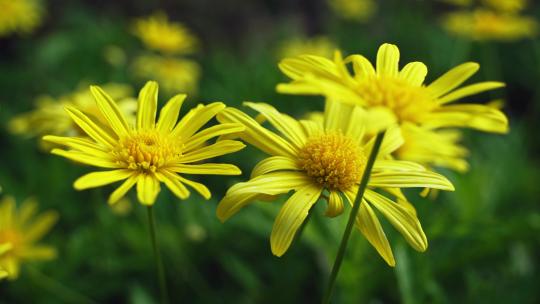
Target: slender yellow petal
362	67
147	106
475	116
221	129
110	111
396	165
196	118
453	78
208	168
97	179
291	216
86	159
242	194
335	204
169	113
414	73
27	211
255	134
401	218
172	182
410	179
274	163
388	60
202	189
121	191
147	188
214	150
288	126
39	253
82	144
5	247
470	90
90	128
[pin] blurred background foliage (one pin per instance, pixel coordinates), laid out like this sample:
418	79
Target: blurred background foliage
484	238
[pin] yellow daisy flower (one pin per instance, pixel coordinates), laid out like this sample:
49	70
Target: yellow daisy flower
148	152
19	16
320	46
158	33
173	74
326	160
353	10
403	92
49	117
482	25
19	231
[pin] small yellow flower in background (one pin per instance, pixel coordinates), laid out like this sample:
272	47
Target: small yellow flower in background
19	16
508	6
353	10
148	152
20	229
50	117
326	159
158	33
320	46
482	25
403	92
173	74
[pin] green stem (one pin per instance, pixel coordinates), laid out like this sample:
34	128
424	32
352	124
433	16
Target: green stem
157	256
64	293
352	217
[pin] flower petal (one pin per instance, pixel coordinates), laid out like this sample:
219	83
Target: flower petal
147	189
274	163
90	127
291	216
404	220
196	118
335	204
97	179
123	189
414	73
469	90
172	181
168	115
221	129
453	78
214	150
147	107
86	159
40	226
208	168
388	60
241	194
202	189
410	179
110	111
475	116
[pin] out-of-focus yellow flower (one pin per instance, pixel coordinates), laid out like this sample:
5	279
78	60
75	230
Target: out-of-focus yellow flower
50	117
508	6
148	152
114	55
482	24
354	10
326	159
19	16
173	74
320	46
403	92
20	229
158	33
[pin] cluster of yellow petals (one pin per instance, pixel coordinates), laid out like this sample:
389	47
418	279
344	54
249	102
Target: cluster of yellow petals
19	16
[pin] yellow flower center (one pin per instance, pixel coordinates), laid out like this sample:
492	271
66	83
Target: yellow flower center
147	150
333	160
408	102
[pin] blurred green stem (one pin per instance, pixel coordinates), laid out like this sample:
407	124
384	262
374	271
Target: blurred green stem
157	256
64	293
352	217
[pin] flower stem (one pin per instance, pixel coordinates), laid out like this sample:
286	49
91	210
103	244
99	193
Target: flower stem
61	291
352	217
157	257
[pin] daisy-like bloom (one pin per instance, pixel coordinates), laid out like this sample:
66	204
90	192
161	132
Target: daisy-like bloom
173	74
148	152
326	160
483	25
19	16
20	229
158	33
49	116
320	46
353	10
402	92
